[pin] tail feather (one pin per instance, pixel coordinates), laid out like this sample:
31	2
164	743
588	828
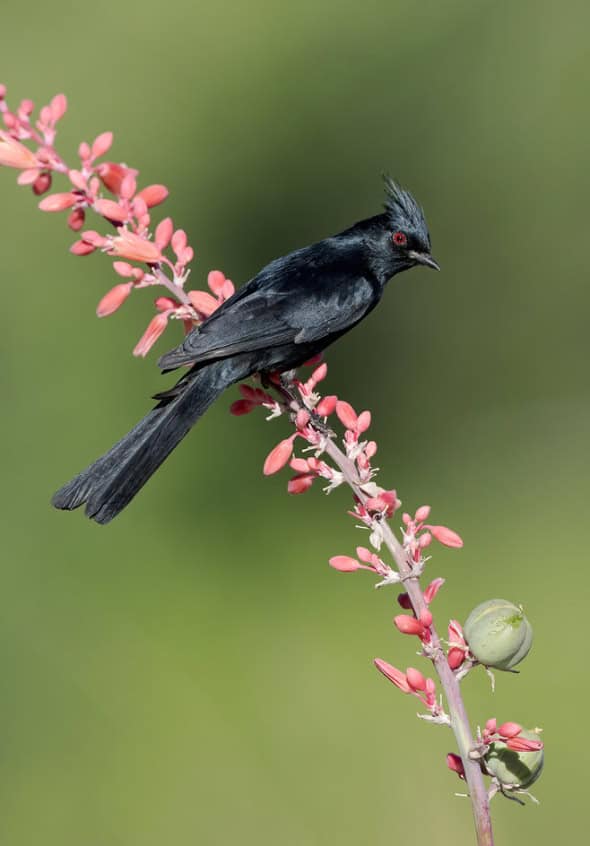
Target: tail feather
111	482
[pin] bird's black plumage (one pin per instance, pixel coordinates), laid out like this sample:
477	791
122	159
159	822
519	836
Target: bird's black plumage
293	309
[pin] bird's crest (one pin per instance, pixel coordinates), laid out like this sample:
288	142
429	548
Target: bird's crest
403	210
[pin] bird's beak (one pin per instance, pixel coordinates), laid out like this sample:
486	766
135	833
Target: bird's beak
423	258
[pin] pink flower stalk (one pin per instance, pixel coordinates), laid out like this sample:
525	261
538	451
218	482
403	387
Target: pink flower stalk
29	147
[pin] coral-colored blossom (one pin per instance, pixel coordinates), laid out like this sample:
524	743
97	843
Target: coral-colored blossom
523	744
58	202
279	456
446	536
346	414
409	625
14	154
344	563
153	195
432	590
155	328
415	679
508	730
393	674
114	299
135	248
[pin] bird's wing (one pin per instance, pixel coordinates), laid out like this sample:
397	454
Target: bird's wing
301	304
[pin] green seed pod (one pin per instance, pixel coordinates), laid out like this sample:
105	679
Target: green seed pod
498	634
519	769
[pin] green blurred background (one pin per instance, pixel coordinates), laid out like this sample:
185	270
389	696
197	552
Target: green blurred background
194	672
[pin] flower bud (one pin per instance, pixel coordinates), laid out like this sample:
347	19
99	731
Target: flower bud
511	768
498	634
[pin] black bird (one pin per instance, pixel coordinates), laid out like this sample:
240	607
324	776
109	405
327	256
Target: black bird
293	309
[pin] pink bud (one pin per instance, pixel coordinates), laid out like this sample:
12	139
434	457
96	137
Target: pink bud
344	563
139	207
371	449
455	764
241	406
84	151
363	422
178	240
15	154
115	298
279	456
365	554
153	195
164	232
58	107
491	725
300	465
320	373
58	202
446	536
102	144
393	674
215	280
346	414
408	625
521	744
128	186
78	179
424	540
455	657
123	269
42	184
186	256
155	328
300	484
202	302
326	406
131	246
28	177
165	303
509	730
432	589
81	248
422	513
456	632
89	236
404	601
111	210
426	618
111	174
76	219
228	289
415	679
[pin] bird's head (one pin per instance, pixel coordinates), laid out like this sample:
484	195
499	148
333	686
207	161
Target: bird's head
403	240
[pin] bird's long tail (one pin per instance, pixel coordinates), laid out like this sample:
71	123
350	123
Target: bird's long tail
109	484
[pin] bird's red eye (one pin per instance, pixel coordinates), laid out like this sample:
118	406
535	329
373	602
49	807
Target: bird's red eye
399	239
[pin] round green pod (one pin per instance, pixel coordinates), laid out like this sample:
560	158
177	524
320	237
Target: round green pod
518	769
498	633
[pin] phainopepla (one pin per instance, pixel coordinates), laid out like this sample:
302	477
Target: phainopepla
293	309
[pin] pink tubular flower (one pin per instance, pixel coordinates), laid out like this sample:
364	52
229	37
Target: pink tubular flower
58	202
279	456
393	674
135	248
415	679
114	299
346	414
344	563
153	195
432	590
522	744
446	536
155	328
508	730
409	625
14	154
